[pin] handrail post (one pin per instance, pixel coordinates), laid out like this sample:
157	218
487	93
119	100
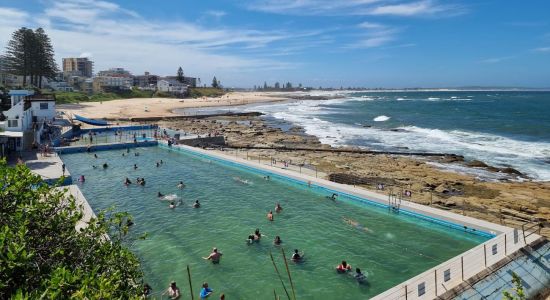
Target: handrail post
505	242
406	292
435	281
485	255
462	267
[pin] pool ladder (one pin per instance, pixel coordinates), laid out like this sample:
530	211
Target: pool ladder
394	202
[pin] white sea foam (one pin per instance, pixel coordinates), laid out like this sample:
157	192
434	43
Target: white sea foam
528	157
381	118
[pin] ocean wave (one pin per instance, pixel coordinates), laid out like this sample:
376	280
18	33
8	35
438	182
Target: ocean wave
527	157
381	118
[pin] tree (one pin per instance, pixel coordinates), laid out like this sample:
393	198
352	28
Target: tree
42	255
179	77
30	54
288	85
45	57
277	85
518	289
215	82
265	85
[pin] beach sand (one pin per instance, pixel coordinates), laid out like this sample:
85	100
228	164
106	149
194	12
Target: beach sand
160	107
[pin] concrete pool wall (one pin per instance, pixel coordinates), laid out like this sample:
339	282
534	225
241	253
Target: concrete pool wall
433	282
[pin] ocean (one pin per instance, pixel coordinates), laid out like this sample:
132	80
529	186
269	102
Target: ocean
500	128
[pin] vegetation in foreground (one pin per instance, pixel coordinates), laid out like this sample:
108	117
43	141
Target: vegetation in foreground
43	256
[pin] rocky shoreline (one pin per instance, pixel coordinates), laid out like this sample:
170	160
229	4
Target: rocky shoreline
506	202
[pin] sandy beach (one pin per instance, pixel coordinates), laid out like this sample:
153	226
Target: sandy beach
161	107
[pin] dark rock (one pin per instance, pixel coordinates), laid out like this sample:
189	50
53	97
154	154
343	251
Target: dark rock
477	164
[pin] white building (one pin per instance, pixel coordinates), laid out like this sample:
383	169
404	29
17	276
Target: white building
101	83
172	86
25	119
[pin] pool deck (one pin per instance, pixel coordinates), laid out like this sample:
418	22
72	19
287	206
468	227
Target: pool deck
48	167
81	201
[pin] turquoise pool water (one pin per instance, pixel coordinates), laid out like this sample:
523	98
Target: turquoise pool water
389	247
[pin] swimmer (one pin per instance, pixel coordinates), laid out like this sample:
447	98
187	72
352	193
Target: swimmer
172	205
160	195
94	166
161	162
158	164
333	197
277	241
135	167
270	216
180	185
360	277
196	204
343	267
123	154
95	155
82	178
296	257
257	235
142	181
250	239
105	166
355	224
267	177
243	181
214	256
278	208
127	181
136	154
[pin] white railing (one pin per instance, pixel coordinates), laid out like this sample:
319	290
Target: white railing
444	277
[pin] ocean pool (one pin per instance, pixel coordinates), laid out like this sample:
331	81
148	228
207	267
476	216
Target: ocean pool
389	247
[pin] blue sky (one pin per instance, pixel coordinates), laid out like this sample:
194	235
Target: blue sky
371	43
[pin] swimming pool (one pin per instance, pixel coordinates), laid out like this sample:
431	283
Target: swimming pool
389	247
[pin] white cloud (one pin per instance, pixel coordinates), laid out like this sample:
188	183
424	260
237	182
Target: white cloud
118	37
426	7
370	25
216	13
495	60
542	49
356	7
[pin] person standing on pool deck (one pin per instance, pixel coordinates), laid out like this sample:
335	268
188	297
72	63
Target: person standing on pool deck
173	291
270	215
214	256
205	291
63	169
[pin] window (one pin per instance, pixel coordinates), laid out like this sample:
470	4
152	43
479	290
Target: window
421	289
494	249
44	105
12	123
516	236
447	275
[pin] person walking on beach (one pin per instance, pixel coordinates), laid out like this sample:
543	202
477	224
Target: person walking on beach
63	169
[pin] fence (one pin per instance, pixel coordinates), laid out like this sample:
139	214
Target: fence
440	279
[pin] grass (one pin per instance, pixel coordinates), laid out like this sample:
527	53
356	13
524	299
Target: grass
76	97
205	92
